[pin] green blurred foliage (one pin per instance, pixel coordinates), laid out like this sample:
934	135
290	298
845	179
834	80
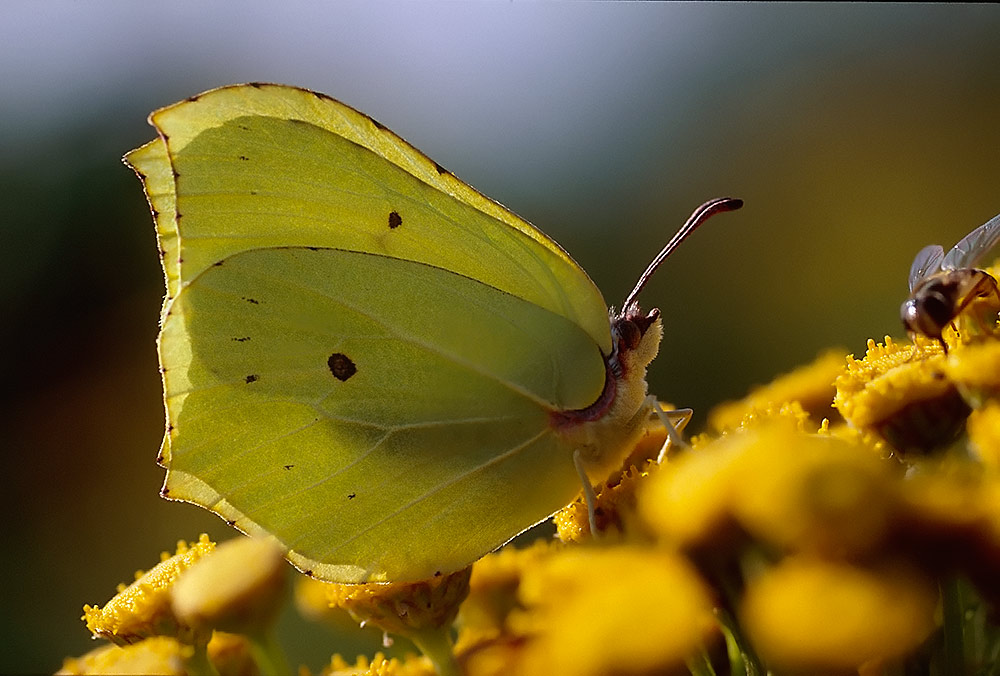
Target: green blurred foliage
855	134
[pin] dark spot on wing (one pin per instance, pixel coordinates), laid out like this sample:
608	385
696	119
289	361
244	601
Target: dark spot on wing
244	127
351	496
164	492
437	573
218	263
230	522
313	248
250	379
156	214
160	459
253	192
308	572
395	220
244	158
378	125
194	98
341	366
250	300
256	85
440	169
289	466
321	96
174	172
242	340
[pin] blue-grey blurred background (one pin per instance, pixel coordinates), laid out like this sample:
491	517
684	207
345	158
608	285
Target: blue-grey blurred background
856	134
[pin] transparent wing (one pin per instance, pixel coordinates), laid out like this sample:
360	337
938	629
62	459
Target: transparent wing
383	419
968	252
927	261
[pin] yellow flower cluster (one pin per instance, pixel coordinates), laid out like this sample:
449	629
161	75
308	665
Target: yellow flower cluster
143	608
844	519
175	618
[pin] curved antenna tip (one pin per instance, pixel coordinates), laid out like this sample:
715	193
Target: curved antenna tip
697	217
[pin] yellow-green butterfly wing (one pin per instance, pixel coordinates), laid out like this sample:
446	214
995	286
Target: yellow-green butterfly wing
362	356
269	165
353	405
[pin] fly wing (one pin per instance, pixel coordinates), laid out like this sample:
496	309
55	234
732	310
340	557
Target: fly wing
927	261
968	252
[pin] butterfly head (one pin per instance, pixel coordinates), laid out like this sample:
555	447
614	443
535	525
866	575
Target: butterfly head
635	337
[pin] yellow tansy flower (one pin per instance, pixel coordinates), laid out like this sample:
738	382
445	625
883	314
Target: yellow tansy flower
602	610
614	509
312	602
493	587
903	394
143	608
950	522
239	588
975	370
688	502
984	434
811	386
158	655
401	607
379	665
421	611
811	615
232	655
788	488
810	492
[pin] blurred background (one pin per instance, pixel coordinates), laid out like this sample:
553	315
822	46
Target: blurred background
856	134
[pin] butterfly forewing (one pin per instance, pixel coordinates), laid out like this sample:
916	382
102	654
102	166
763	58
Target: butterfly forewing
268	165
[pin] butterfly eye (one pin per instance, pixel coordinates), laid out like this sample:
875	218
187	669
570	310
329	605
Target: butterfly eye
629	335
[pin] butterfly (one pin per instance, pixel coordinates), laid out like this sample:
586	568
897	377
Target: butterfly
943	285
363	357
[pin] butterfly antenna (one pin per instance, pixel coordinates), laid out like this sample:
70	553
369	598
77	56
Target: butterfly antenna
699	216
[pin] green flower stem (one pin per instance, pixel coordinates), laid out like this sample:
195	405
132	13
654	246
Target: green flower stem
743	659
700	665
268	654
199	664
435	644
952	620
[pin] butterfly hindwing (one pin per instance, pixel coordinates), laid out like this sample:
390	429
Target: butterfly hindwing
369	412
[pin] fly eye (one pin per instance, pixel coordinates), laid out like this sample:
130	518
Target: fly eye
936	307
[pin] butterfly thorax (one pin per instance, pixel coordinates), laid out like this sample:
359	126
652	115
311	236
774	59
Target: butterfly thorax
605	432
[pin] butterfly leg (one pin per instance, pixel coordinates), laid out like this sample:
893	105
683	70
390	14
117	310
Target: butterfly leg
588	492
675	421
